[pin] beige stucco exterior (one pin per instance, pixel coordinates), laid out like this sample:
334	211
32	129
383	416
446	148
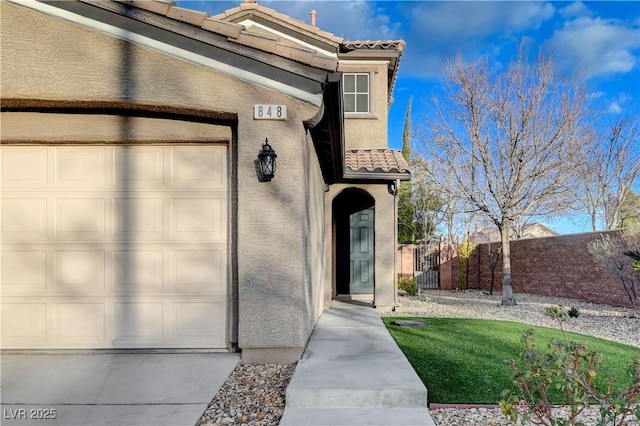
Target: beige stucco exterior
71	83
366	131
277	295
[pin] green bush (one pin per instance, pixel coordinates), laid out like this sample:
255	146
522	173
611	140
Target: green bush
410	285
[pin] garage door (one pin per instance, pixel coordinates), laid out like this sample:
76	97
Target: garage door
114	246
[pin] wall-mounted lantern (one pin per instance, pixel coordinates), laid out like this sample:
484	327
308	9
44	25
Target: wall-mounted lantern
392	187
267	161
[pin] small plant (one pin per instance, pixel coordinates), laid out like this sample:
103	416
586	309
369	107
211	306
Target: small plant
410	285
558	313
574	312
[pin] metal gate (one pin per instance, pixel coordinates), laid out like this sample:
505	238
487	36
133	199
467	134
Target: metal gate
426	266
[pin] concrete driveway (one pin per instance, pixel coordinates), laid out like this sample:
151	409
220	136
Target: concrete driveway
110	389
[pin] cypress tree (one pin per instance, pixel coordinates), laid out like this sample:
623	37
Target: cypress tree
406	134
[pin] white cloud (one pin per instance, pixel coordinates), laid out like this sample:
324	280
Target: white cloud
440	30
597	46
614	108
462	20
575	10
618	103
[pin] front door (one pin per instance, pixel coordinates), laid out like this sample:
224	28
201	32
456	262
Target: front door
361	252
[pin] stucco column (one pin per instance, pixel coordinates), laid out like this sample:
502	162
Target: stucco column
275	316
385	247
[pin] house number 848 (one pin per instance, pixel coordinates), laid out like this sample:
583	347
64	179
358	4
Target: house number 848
269	112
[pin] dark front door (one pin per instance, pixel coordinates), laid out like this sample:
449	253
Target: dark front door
361	252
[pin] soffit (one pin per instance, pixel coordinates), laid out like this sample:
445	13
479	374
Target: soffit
327	130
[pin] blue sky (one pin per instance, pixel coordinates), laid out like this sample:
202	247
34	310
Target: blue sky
601	39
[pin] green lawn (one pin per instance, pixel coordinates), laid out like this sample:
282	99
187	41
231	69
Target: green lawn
467	360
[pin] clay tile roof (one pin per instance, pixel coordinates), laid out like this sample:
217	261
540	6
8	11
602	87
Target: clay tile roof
396	45
375	161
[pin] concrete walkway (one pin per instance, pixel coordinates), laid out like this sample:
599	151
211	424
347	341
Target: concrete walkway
111	389
353	373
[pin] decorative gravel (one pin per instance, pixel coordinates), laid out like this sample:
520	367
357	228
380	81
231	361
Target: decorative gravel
493	417
254	394
608	322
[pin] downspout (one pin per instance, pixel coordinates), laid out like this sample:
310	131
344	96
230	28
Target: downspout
395	239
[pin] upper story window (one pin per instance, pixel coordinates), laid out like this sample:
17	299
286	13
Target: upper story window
356	93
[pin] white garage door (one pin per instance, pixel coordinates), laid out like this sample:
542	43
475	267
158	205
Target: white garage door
114	246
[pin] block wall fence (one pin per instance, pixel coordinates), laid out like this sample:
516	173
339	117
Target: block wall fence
404	260
551	266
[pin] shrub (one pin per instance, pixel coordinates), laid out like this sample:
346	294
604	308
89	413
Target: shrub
571	369
611	251
410	285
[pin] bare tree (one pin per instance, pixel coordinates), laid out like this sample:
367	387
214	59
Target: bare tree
504	142
611	167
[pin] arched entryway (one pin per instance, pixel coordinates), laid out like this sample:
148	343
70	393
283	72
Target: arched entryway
353	225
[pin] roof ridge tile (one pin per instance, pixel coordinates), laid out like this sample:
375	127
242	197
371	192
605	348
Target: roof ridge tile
189	16
225	28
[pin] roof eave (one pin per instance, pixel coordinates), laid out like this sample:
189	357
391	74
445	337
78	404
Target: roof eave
376	176
327	130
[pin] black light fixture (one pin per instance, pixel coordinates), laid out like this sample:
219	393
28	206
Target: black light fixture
267	161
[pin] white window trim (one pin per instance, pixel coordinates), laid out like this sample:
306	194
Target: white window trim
371	114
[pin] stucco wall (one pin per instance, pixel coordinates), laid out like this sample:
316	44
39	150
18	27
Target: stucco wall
314	288
369	130
279	245
275	245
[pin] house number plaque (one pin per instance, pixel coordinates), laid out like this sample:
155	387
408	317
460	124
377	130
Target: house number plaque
269	112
